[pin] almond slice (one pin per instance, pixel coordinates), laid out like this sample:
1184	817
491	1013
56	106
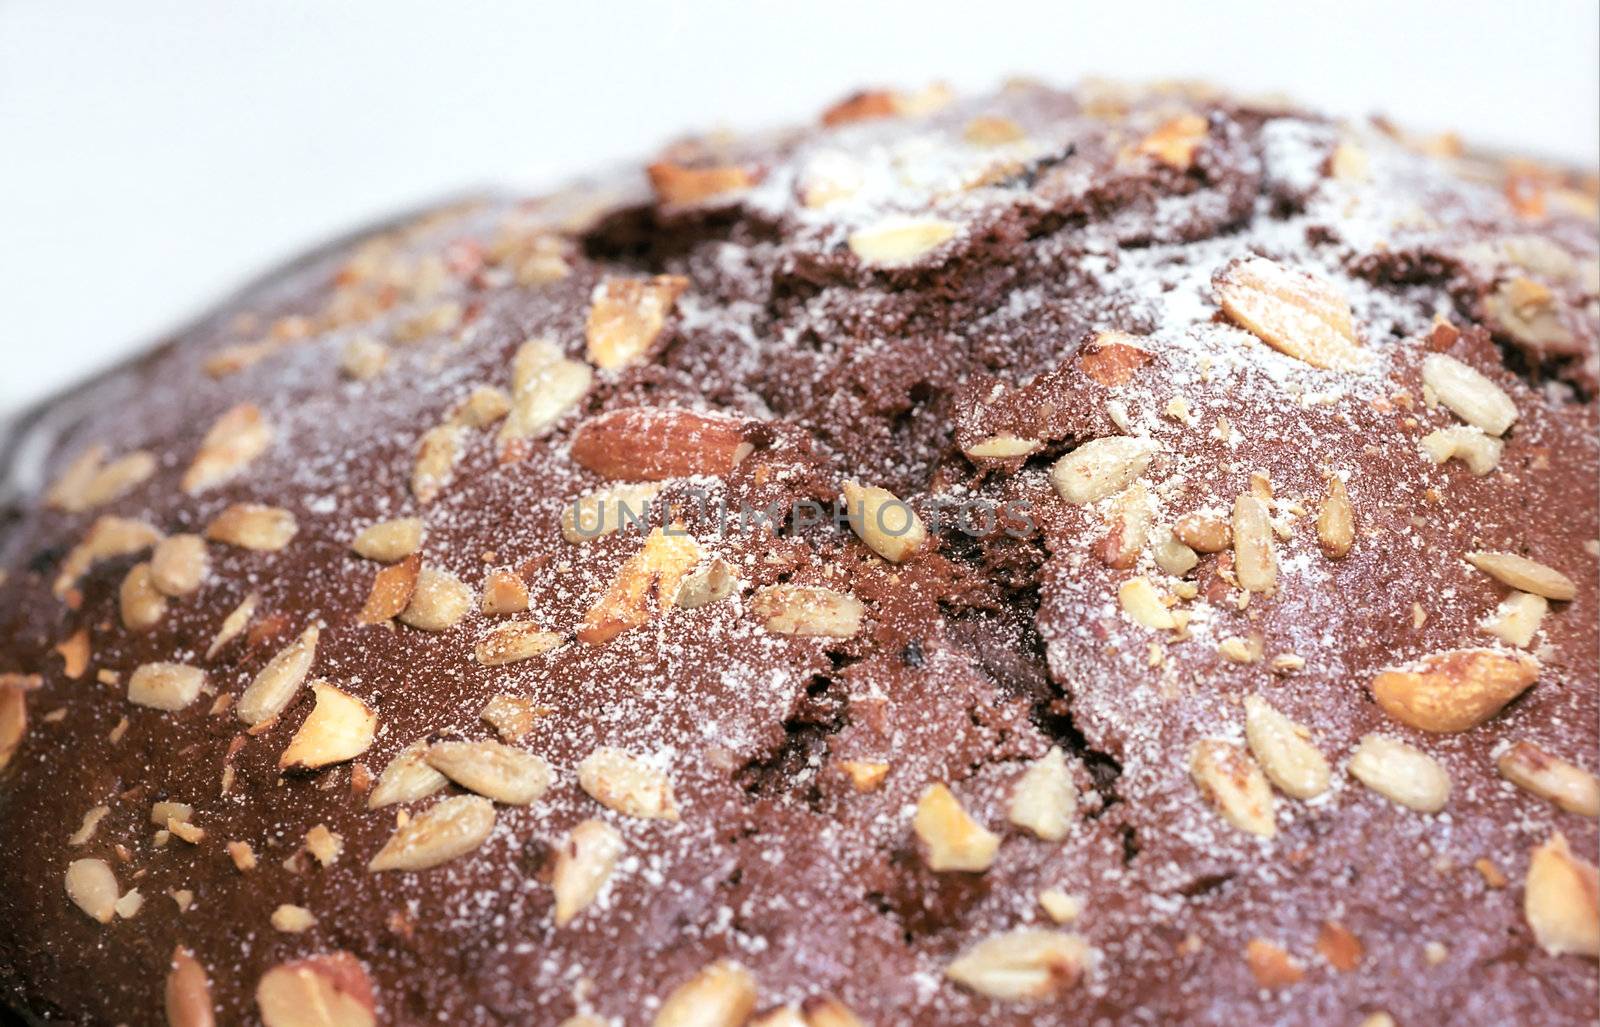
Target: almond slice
545	385
808	611
1141	602
1024	965
1112	358
1336	525
514	642
165	686
1472	446
1128	529
276	684
627	318
1297	314
511	716
233	624
187	994
713	582
656	443
723	994
583	865
449	828
1254	562
1401	773
1174	143
92	887
493	770
676	184
340	727
1286	755
1101	467
1045	799
107	538
178	565
14	689
1234	784
292	919
253	526
407	778
1468	393
1567	785
900	241
951	838
1455	690
89	482
888	526
1522	573
504	592
392	591
601	513
658	568
621	781
439	602
438	452
141	605
237	438
321	991
1516	620
389	541
91	822
1562	900
1003	447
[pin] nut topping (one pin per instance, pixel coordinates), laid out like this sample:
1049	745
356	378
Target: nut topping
165	686
233	624
1455	690
503	592
1045	798
511	716
620	781
237	438
1522	573
675	184
1516	621
1112	358
322	991
1175	141
1336	529
1140	601
141	605
1479	451
1297	314
1562	901
1402	773
437	455
392	591
900	241
722	994
1271	966
603	512
1234	784
1101	468
627	317
1254	562
1281	747
545	385
808	611
188	992
714	581
1003	447
439	602
656	443
1469	394
888	526
658	568
493	770
178	565
449	828
1567	785
292	919
340	727
1022	965
511	643
107	539
407	778
952	840
276	684
90	481
583	864
1204	533
92	887
389	541
252	526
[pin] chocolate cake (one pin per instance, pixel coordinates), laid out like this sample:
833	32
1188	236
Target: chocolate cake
1119	556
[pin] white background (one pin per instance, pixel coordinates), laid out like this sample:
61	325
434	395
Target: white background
154	154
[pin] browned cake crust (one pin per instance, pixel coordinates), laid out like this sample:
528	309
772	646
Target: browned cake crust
1248	675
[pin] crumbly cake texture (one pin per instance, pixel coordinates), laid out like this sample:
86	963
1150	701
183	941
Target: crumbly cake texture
1270	697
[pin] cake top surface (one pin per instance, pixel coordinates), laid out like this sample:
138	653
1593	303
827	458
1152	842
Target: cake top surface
1240	662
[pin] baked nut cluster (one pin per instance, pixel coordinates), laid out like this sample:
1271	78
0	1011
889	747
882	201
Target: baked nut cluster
433	632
